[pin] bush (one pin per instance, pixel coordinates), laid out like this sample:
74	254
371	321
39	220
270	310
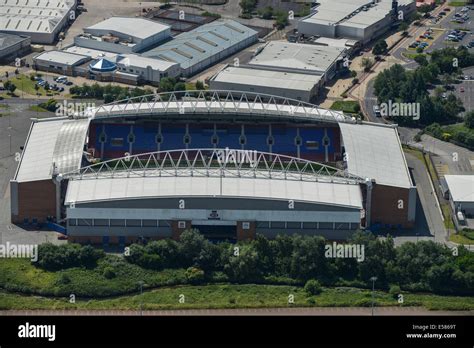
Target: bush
63	279
109	273
395	291
55	257
313	287
194	275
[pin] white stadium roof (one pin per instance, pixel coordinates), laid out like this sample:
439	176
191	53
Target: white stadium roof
375	152
461	187
55	140
94	190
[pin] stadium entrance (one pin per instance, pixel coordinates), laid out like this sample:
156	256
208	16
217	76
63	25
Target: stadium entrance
217	230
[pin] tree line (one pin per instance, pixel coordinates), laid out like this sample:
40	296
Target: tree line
295	259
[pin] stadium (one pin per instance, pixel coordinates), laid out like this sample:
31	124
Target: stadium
229	164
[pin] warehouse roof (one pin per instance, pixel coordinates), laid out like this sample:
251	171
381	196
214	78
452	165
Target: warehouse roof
141	28
7	40
197	45
33	16
350	13
62	57
375	152
53	140
267	78
90	52
311	58
461	187
93	190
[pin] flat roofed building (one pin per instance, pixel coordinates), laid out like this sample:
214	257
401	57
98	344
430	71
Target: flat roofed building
198	49
148	69
123	35
461	193
374	152
306	58
361	20
13	46
59	61
41	20
293	85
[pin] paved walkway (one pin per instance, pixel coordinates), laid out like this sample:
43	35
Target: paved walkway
324	311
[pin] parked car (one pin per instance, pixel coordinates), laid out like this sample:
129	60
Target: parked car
461	89
68	83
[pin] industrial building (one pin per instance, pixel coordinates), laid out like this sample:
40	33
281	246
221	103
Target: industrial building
13	46
361	20
160	171
267	81
123	35
59	62
461	196
204	46
41	20
299	71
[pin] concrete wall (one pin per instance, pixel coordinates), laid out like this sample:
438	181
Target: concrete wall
9	54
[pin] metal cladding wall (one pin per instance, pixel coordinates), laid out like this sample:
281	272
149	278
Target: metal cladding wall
34	201
157	217
392	207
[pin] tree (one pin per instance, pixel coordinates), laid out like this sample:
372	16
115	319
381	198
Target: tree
191	244
243	267
469	119
313	287
10	87
403	27
199	85
367	64
421	60
281	19
380	47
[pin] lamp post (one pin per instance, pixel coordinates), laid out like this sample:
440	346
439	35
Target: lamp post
373	279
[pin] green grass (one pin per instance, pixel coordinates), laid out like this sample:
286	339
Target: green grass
37	108
4	106
457	3
347	106
24	83
19	275
237	296
460	239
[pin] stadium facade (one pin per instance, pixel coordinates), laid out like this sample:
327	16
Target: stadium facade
232	167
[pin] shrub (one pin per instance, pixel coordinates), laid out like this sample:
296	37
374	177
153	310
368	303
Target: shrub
194	275
313	287
109	273
395	291
63	279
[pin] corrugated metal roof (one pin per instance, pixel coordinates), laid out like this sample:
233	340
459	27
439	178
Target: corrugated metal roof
298	56
211	38
375	152
52	140
267	78
461	187
33	15
93	190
